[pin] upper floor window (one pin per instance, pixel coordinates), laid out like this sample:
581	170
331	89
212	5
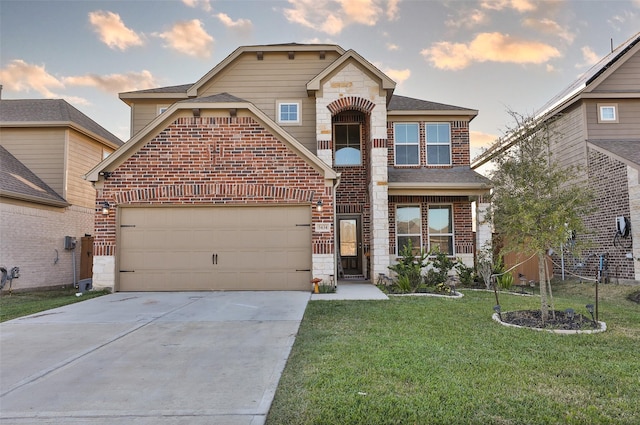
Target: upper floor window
162	108
438	143
347	141
607	113
289	112
440	222
408	228
407	143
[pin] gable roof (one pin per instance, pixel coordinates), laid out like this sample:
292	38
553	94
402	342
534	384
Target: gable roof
295	47
592	78
386	83
578	90
52	113
19	182
221	101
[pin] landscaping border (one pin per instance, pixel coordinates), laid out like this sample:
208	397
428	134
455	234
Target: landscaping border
603	327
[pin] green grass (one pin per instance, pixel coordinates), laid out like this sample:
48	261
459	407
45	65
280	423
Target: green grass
23	303
424	360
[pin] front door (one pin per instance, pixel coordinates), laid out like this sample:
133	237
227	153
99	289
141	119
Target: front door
350	245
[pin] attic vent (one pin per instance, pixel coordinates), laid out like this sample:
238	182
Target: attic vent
292	55
260	55
322	54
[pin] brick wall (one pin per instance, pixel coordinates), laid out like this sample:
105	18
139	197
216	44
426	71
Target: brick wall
462	220
30	237
213	160
608	180
460	151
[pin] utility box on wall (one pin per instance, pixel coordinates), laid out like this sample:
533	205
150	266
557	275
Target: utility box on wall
69	242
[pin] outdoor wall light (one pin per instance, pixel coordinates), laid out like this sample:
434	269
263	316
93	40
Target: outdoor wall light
105	208
319	206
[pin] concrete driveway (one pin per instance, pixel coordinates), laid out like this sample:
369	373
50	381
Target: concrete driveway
149	358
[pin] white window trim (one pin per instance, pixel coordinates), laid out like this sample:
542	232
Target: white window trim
395	156
601	107
298	103
453	229
161	109
408	234
427	144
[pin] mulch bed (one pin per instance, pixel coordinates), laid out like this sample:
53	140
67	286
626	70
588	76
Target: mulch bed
533	319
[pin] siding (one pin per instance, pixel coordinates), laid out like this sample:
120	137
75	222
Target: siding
41	150
628	125
568	145
276	77
142	113
625	78
84	154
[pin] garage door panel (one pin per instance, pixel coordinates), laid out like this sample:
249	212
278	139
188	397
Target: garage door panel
254	248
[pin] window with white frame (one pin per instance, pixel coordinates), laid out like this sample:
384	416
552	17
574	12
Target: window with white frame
289	112
440	223
162	108
408	228
406	138
608	113
438	143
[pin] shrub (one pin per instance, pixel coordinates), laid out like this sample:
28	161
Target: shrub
466	274
441	266
409	268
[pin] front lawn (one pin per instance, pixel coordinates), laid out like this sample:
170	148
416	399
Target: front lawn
424	360
23	303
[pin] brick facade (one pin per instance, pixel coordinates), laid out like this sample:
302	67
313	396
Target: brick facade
33	239
213	161
609	183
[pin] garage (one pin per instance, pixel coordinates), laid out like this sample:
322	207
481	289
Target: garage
187	248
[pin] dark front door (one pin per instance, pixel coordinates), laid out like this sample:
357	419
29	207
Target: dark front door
350	244
86	259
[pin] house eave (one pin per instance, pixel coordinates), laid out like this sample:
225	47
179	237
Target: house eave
438	189
33	199
469	113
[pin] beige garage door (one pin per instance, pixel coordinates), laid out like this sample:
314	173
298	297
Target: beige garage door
214	248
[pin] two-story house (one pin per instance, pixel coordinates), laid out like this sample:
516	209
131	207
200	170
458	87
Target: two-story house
595	125
46	207
282	164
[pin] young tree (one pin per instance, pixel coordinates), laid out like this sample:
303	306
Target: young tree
534	200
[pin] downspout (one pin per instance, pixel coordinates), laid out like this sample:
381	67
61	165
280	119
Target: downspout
335	231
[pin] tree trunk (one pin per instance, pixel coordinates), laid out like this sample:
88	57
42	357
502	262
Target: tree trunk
542	274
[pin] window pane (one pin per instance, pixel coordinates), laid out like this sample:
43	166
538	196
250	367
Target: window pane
438	155
404	241
442	243
407	154
607	113
438	133
347	141
288	112
439	219
348	238
406	133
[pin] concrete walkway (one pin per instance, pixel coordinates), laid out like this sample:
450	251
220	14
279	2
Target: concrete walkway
353	291
149	358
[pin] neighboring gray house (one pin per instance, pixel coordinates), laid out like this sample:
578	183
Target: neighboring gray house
46	145
598	120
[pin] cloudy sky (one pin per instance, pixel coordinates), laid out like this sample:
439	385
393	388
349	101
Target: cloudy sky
490	55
